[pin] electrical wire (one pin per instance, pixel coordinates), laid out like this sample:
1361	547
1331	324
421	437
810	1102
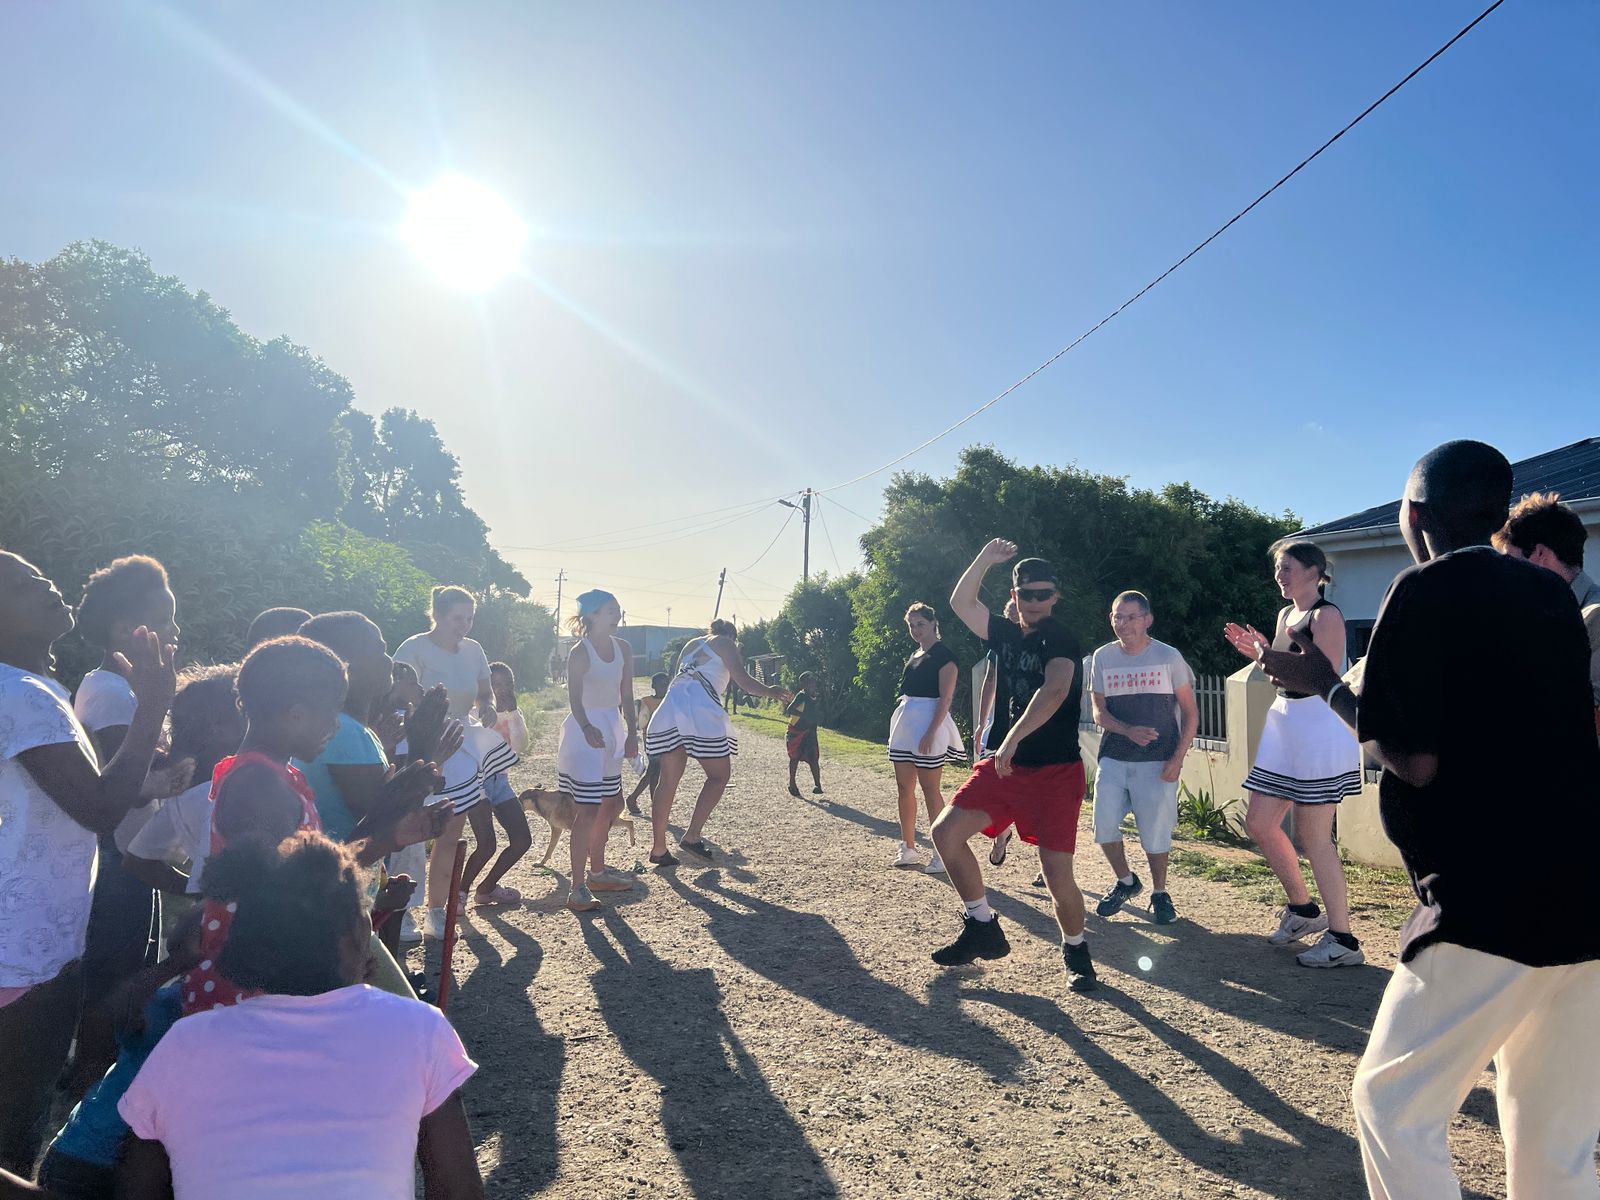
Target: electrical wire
643	542
752	603
837	566
772	543
1222	229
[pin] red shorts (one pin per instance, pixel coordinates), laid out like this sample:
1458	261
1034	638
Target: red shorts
1042	802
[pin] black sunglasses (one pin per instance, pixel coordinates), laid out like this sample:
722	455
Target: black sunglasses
1034	595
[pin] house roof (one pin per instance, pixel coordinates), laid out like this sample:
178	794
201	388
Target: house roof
1573	471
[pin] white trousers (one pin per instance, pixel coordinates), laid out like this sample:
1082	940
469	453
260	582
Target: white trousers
1445	1016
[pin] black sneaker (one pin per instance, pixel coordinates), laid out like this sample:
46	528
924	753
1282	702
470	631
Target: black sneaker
1118	896
979	939
1080	967
1161	910
794	790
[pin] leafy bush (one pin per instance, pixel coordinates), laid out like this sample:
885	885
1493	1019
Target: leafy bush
1201	817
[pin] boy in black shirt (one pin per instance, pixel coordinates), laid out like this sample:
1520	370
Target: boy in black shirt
1034	777
1471	643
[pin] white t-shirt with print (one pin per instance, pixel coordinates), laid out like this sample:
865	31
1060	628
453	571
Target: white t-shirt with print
180	832
47	860
105	700
463	673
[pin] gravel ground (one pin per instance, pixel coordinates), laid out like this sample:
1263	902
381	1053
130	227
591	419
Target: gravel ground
774	1027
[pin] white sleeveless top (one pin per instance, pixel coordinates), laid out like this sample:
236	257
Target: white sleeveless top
602	682
703	665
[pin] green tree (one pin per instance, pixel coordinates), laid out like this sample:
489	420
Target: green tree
812	632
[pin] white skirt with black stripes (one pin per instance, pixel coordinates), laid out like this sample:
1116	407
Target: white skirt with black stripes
909	725
486	745
1307	754
590	774
688	717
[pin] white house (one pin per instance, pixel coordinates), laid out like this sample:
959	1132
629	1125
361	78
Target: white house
1366	550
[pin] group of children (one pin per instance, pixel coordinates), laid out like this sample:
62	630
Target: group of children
174	842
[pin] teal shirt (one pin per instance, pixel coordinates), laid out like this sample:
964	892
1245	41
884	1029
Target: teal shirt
354	745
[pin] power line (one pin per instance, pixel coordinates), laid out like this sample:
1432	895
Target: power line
752	603
852	512
1231	221
773	542
823	517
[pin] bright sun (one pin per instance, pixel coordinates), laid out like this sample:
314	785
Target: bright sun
464	232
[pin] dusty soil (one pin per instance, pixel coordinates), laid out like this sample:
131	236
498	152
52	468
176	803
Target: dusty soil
774	1028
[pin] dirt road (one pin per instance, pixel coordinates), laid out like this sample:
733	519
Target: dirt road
774	1028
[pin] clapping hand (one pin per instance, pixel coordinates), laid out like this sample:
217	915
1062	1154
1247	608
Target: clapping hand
397	813
150	667
387	725
426	724
1247	640
1310	671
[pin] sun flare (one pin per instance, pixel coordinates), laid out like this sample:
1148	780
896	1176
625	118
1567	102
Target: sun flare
464	232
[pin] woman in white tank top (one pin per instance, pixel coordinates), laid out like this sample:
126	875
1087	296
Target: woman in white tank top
690	723
596	736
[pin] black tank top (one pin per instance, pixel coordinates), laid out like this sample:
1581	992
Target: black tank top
1284	642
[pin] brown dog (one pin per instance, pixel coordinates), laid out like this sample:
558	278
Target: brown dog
557	808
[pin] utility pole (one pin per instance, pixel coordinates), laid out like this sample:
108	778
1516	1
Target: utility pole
721	579
805	519
561	575
669	616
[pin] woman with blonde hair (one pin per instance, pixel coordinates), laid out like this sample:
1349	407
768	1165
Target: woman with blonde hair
597	735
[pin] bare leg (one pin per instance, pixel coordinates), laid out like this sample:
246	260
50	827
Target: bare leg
1064	891
1158	870
816	774
951	833
905	783
1264	823
610	807
481	819
718	772
672	765
1314	823
794	767
1117	856
519	840
442	860
578	844
932	797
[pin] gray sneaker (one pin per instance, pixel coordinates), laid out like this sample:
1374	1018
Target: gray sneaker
1292	927
1330	952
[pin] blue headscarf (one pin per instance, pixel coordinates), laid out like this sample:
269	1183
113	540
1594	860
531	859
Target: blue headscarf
593	601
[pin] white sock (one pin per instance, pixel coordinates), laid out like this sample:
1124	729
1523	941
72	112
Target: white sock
1072	939
979	909
1127	880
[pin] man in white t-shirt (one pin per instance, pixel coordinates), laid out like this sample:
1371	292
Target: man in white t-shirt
1144	701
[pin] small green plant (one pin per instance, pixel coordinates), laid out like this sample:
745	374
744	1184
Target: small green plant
1202	818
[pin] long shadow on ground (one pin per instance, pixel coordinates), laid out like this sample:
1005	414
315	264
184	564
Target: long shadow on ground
731	1135
805	954
513	1095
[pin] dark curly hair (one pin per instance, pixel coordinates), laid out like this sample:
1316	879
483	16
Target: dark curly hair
297	902
115	592
287	671
274	623
204	706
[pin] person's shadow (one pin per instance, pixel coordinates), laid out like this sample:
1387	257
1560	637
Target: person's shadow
803	953
512	1098
731	1135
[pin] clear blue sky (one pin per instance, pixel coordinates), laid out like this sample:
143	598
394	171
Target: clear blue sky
778	244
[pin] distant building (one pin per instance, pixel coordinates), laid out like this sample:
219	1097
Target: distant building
648	643
1367	551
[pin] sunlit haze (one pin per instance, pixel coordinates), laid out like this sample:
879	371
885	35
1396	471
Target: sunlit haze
775	246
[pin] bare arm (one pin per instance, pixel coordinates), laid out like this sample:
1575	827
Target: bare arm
1139	735
728	651
1327	632
1188	726
97	799
358	783
1058	673
486	709
154	873
449	1162
965	601
991	675
630	714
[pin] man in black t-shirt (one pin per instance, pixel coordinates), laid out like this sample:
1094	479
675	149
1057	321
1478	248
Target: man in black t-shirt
1034	774
1476	655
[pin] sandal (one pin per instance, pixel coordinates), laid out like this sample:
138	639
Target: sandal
997	852
698	849
664	859
582	900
